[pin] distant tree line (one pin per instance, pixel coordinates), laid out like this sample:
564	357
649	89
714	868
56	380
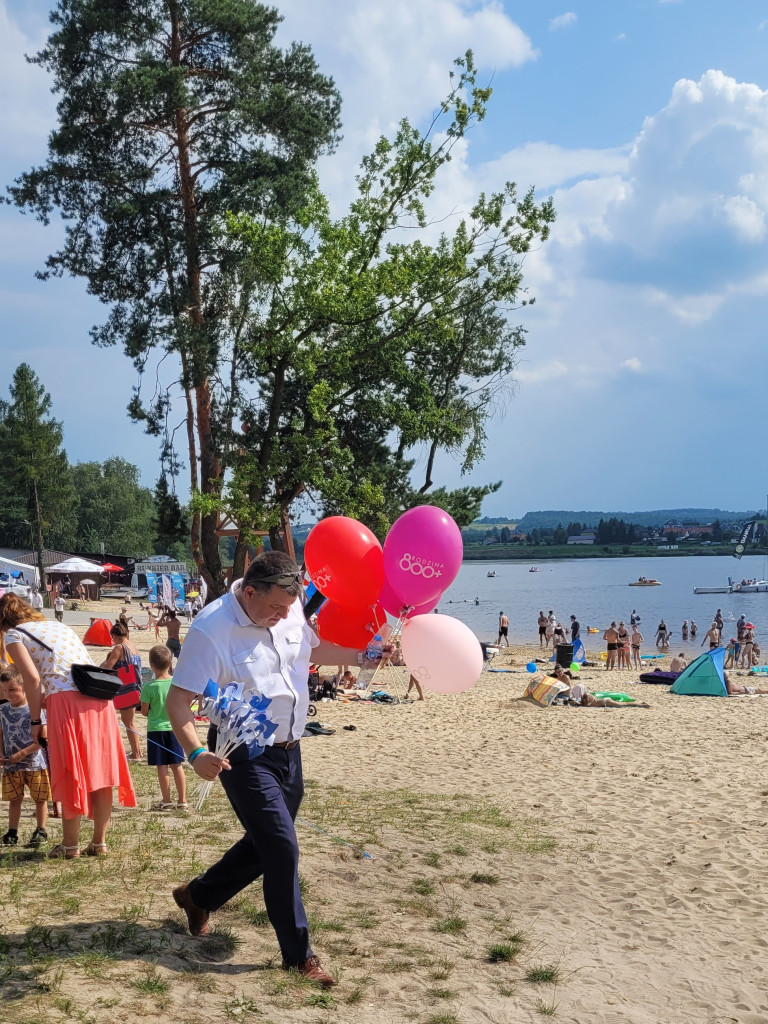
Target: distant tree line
45	502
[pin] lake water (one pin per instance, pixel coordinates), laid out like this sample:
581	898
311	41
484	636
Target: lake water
596	591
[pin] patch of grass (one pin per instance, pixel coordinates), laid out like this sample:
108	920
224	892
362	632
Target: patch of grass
480	878
442	1018
544	845
419	908
423	886
505	990
546	1009
543	975
450	926
458	850
355	996
365	919
319	924
240	1007
324	999
396	966
502	952
441	969
491	847
432	859
222	941
304	888
252	913
152	984
132	913
440	993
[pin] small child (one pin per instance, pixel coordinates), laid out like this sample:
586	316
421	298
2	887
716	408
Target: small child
163	749
731	652
22	760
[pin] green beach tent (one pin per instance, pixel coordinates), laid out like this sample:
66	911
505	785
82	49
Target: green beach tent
703	677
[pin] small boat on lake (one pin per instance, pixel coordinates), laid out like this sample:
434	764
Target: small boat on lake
643	582
492	575
534	568
711	590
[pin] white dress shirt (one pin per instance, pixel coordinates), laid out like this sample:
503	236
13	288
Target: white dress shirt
224	645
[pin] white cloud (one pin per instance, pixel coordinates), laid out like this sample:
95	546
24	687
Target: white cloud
563	21
762	25
633	364
620	37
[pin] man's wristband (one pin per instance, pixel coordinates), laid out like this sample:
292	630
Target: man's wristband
35	721
191	757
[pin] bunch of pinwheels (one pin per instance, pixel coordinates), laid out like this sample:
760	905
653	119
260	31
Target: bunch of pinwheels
238	722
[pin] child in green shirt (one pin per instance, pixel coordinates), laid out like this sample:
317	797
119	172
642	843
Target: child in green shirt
163	749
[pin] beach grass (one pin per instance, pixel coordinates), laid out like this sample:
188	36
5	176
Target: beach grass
91	939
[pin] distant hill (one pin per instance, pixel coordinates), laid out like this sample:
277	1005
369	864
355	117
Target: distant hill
549	519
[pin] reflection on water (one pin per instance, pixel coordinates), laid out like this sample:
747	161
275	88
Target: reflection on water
596	591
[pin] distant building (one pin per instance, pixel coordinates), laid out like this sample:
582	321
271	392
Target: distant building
667	547
587	537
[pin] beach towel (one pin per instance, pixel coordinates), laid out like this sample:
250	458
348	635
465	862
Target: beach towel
543	691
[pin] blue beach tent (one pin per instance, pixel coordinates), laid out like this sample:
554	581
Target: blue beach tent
703	677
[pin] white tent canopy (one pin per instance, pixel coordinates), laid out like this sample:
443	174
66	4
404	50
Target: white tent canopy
8	565
75	565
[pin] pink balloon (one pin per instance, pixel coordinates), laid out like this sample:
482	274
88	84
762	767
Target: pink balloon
442	653
394	604
422	554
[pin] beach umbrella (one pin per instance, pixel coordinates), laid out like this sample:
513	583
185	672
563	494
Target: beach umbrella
88	583
109	567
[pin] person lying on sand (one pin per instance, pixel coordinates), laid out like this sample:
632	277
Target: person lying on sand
737	690
588	701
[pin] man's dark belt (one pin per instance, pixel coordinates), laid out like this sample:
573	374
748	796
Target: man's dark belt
288	746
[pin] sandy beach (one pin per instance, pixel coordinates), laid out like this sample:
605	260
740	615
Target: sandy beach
619	852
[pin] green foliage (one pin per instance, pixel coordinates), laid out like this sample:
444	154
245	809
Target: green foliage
113	508
315	357
172	113
364	349
170	522
35	468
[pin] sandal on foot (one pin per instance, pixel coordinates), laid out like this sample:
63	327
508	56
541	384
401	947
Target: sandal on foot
95	850
161	805
182	807
62	852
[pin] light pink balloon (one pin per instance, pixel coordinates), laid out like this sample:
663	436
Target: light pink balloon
442	653
422	554
394	604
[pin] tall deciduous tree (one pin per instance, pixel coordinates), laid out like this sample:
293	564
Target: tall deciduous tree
113	508
37	499
361	348
171	113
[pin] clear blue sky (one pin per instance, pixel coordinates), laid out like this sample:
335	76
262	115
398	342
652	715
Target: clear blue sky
644	374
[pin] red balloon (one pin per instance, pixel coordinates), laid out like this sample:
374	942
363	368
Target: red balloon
345	561
349	627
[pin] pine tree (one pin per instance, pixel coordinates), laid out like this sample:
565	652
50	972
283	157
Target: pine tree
171	114
169	521
37	497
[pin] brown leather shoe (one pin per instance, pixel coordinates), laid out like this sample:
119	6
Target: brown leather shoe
197	918
313	970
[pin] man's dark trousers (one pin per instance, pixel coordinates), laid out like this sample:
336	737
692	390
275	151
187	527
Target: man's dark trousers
265	794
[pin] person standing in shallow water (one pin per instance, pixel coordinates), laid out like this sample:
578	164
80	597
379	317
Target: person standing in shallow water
503	629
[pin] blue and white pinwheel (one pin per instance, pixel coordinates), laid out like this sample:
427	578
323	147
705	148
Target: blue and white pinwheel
238	722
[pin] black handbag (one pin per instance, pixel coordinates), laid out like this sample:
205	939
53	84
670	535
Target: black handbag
101	683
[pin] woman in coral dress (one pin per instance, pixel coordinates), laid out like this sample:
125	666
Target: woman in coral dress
84	743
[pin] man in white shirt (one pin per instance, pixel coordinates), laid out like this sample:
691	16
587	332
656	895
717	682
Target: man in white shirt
36	600
255	635
58	608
